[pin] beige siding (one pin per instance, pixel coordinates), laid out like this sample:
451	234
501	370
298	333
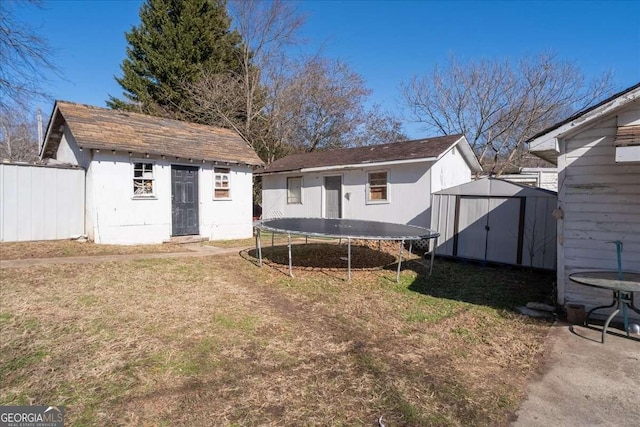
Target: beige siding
601	203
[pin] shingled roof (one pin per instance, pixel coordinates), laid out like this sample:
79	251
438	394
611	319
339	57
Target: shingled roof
104	129
430	148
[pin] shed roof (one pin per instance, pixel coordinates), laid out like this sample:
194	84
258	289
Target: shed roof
497	188
101	128
418	149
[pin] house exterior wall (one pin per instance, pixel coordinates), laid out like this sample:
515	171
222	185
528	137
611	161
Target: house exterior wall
600	200
69	152
408	194
549	180
546	178
450	170
119	218
40	202
114	216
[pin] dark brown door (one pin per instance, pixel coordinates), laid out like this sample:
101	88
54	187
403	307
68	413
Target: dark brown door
184	200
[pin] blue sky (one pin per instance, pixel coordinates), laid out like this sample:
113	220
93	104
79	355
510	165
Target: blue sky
384	41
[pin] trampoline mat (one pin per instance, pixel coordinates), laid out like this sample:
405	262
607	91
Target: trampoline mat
355	228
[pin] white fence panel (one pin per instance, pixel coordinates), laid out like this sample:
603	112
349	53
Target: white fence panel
40	202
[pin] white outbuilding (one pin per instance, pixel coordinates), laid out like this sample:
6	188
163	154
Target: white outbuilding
388	182
150	179
498	221
598	156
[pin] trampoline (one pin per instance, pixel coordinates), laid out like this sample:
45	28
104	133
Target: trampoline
344	229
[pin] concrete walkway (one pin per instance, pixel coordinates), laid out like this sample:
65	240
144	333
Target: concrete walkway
195	250
584	382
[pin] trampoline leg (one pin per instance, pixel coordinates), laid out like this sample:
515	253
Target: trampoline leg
399	262
349	259
259	247
289	245
433	254
379	245
272	237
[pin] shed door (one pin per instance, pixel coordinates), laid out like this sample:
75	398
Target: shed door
489	229
184	200
333	196
472	227
503	230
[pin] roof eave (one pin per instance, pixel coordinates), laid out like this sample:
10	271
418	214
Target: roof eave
566	127
546	144
137	153
47	134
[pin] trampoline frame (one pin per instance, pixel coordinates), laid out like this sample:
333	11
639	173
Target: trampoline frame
429	235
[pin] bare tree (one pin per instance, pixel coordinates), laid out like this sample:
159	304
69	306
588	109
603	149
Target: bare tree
379	127
239	100
498	105
25	57
267	29
18	137
280	103
323	104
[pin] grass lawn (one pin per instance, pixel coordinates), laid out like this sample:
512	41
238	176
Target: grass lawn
219	341
68	248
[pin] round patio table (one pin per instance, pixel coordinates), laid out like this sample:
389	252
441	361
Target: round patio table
622	289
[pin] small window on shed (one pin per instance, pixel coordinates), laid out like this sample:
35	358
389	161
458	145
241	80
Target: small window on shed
221	186
294	190
377	187
143	179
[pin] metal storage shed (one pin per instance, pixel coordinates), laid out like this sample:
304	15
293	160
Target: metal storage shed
495	220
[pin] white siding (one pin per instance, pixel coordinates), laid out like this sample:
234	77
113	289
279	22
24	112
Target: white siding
408	193
549	180
69	152
227	219
450	170
40	203
546	178
118	218
601	203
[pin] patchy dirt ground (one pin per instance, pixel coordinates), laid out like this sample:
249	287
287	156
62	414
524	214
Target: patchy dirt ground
219	341
325	256
68	248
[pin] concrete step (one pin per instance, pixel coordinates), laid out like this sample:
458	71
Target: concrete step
183	240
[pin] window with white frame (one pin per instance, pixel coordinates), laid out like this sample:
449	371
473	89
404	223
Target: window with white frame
377	190
143	179
221	183
294	190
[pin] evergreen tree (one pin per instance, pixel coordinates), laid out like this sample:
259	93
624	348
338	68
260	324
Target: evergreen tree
176	41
